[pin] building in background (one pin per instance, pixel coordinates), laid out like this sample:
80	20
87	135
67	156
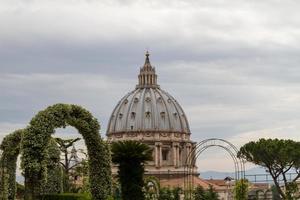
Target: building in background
152	116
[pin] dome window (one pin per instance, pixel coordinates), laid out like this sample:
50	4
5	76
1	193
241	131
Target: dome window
148	99
175	114
131	127
126	101
120	115
169	100
132	115
159	99
162	114
136	100
148	114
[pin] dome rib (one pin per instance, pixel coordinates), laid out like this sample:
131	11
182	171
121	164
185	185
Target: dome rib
122	120
166	106
129	111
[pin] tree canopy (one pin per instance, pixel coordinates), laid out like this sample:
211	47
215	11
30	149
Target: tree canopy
278	157
130	157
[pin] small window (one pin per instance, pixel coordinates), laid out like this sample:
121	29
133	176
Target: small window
131	127
136	100
148	113
165	153
120	115
162	114
133	115
159	99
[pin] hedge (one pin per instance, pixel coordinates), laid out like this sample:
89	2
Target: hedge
66	196
8	164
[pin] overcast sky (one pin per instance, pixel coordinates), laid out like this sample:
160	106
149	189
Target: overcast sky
232	64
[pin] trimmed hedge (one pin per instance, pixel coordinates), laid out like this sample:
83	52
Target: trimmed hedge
37	137
66	196
8	164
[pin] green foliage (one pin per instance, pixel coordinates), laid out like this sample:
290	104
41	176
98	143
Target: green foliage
199	193
170	194
20	191
166	194
8	164
275	194
176	193
64	144
66	196
35	141
53	182
278	157
151	187
211	194
130	157
240	190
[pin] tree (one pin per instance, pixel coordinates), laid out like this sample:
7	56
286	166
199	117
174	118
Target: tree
64	144
211	194
199	193
278	157
131	157
241	190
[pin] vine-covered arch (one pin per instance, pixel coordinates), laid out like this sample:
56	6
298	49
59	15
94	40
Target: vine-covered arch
10	147
190	163
38	135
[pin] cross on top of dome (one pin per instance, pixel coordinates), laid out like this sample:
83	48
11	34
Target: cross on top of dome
147	61
147	76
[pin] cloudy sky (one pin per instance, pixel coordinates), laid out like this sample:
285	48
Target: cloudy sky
232	64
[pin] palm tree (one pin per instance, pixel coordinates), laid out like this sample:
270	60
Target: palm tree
130	156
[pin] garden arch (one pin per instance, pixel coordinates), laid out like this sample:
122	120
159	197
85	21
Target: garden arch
10	147
38	134
189	165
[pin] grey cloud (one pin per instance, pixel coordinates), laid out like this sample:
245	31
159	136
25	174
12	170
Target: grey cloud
232	65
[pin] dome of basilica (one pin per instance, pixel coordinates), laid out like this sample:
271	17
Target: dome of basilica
148	109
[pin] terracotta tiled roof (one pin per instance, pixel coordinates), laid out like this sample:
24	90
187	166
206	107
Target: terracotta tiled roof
219	182
179	182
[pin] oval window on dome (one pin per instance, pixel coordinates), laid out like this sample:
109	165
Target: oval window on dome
169	100
120	115
126	101
159	99
136	100
148	99
162	114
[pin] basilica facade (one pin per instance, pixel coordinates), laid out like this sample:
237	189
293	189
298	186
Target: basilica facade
152	116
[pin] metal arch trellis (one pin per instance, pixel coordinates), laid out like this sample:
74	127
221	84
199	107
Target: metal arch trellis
190	167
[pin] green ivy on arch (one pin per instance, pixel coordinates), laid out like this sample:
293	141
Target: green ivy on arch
10	147
42	126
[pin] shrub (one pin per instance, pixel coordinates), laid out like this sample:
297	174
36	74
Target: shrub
66	196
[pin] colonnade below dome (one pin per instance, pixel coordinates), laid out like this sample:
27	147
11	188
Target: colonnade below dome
169	154
169	157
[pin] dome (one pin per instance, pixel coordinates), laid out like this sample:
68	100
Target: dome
148	108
